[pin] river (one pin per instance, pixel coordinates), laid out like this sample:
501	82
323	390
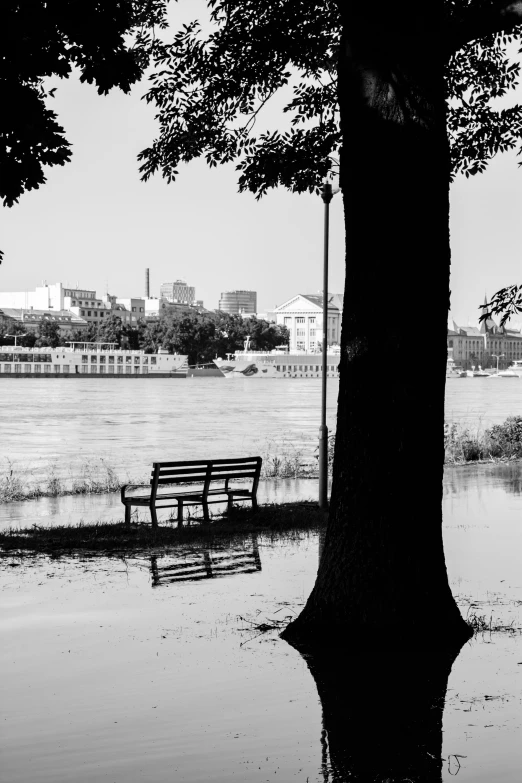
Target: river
65	429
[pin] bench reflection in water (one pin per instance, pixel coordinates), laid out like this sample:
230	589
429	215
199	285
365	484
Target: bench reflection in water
204	564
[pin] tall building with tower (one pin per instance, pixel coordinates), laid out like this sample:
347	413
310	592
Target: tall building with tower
178	292
236	302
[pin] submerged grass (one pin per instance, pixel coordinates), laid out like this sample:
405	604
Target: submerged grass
96	476
107	538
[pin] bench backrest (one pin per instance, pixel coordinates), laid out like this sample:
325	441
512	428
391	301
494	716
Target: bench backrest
205	471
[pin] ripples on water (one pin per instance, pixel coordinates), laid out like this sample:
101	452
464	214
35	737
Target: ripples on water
113	670
64	425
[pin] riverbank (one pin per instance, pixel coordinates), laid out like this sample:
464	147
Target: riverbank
103	538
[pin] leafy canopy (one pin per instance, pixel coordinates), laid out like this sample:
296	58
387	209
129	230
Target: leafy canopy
210	89
109	42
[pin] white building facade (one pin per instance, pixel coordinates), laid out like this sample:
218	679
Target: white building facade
303	317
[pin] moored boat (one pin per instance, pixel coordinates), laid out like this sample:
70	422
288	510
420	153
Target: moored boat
83	360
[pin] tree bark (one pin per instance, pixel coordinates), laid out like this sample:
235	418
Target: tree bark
382	575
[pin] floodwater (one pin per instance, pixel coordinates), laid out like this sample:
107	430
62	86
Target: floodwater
73	509
70	429
152	669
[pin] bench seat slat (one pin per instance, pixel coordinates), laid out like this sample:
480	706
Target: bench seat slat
204	462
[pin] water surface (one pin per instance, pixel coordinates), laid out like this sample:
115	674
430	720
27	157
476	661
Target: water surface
110	674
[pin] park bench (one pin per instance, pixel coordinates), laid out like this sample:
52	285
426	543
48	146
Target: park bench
212	476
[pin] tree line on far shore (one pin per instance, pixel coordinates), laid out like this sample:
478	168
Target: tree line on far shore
202	336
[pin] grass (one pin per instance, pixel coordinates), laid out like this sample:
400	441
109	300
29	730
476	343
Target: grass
96	476
499	443
106	538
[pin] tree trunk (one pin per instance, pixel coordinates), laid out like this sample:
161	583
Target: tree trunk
383	574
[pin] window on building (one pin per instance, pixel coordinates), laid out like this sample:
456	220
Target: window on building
88	312
94	369
145	360
111	368
153	360
311	321
47	368
85	359
57	369
288	321
101	313
120	359
85	369
301	333
82	312
120	370
144	370
128	370
102	359
94	358
128	360
300	320
136	360
133	309
27	367
136	371
38	368
7	368
111	359
312	346
142	309
300	346
312	332
66	369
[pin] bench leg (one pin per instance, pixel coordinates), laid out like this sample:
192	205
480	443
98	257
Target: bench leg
153	516
230	504
180	513
206	515
127	514
254	503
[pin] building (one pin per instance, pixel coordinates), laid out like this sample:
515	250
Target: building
178	292
81	302
480	345
303	317
238	302
31	319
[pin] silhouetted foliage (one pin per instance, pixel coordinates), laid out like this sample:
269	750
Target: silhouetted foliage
110	43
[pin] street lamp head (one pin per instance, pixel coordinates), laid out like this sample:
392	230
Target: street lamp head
328	192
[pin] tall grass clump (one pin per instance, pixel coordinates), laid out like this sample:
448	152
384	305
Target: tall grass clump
284	459
499	442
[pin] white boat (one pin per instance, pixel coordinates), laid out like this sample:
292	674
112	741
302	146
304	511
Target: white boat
504	374
480	373
515	368
83	360
278	364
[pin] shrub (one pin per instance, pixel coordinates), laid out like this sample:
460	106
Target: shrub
505	440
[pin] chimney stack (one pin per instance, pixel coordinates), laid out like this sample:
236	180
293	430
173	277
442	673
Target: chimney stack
147	286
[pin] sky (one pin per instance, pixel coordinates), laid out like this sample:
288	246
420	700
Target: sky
95	224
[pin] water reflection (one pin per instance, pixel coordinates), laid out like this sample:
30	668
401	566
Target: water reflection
382	713
204	563
465	478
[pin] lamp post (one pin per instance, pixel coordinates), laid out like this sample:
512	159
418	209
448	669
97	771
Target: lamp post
327	193
497	356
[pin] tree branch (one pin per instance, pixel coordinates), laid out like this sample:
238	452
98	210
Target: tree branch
481	19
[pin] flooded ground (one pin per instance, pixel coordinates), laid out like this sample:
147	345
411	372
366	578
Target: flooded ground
73	509
153	670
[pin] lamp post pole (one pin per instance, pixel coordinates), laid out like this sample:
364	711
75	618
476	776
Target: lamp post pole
326	195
